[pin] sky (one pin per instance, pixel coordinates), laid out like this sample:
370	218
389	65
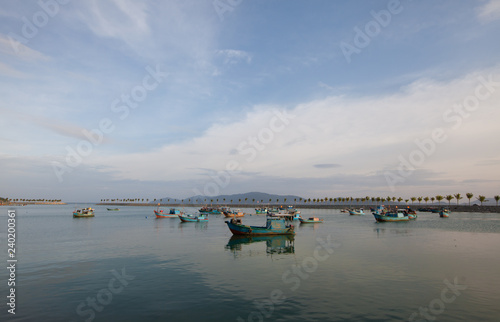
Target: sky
148	99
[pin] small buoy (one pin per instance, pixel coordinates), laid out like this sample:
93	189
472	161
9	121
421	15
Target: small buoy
146	217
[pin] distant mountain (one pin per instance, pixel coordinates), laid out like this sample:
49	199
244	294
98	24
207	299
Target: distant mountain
241	198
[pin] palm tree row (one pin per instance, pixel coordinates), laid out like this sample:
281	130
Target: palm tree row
325	200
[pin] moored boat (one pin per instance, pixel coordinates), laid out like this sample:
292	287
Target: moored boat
310	220
260	211
211	210
83	213
192	218
444	213
173	213
233	214
358	212
274	226
113	209
381	215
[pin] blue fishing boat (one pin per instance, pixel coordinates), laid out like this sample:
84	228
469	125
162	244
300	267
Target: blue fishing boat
211	210
274	226
192	218
444	213
260	211
358	212
173	213
382	215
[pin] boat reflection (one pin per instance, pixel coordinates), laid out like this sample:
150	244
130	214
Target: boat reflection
283	244
382	231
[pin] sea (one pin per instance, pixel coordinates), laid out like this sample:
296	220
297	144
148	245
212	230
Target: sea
127	265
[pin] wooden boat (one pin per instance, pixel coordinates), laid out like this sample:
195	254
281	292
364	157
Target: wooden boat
444	213
211	210
233	214
310	220
381	215
173	213
83	213
113	209
358	212
260	211
274	226
192	218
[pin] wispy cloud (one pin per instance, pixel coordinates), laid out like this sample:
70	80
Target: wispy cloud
233	56
13	48
326	165
489	11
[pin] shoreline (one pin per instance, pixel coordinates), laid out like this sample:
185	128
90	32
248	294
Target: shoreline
456	208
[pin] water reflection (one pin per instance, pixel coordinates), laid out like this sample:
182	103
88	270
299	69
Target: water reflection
396	231
274	244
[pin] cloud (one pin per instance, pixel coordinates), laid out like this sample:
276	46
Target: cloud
11	47
326	165
232	56
363	134
489	11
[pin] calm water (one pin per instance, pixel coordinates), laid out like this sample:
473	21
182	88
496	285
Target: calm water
138	268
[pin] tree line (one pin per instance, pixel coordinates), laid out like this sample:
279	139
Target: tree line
319	201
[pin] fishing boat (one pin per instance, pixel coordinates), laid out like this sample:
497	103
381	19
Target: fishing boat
358	212
412	214
274	226
233	214
260	211
310	220
83	213
381	215
113	209
444	213
173	213
192	218
211	210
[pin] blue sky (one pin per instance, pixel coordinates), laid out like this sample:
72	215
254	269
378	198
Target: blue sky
323	98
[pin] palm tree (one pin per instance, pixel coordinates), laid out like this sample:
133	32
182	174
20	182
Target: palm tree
458	197
413	200
439	198
420	199
497	198
432	199
449	198
469	196
426	199
481	199
400	199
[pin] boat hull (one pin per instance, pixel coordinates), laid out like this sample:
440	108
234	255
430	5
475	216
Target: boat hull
444	214
192	219
384	218
310	221
356	213
75	215
238	229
